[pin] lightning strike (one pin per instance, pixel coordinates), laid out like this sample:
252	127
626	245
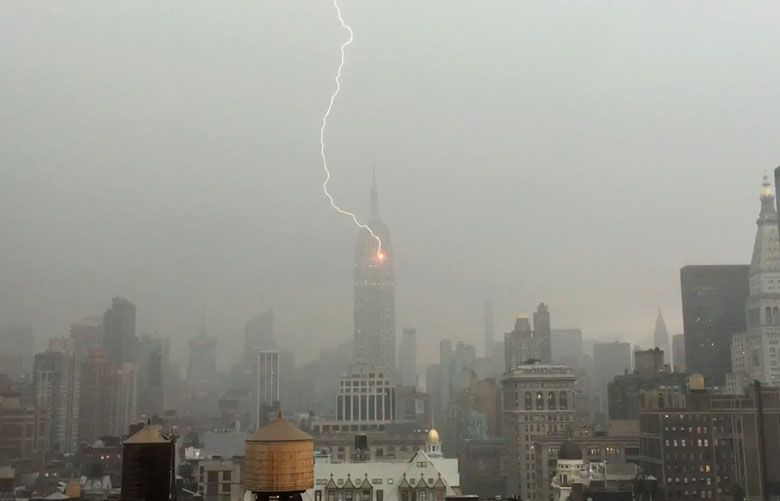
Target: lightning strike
380	255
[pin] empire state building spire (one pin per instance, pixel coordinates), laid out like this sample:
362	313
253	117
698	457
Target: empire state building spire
374	307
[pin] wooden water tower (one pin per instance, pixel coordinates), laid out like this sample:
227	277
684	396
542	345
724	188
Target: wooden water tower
279	461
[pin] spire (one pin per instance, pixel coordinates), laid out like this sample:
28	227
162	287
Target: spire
766	255
767	198
660	333
373	213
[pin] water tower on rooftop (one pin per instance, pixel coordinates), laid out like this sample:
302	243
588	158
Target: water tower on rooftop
279	461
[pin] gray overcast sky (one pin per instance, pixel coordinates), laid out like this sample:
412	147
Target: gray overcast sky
577	153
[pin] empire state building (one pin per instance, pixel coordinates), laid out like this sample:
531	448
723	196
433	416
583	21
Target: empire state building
375	295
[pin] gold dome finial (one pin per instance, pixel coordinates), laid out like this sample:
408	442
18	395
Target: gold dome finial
433	437
766	188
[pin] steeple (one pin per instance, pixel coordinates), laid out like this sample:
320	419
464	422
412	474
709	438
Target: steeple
767	199
661	336
373	214
766	254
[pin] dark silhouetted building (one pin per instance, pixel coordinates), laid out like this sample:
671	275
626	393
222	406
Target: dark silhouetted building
709	446
678	353
713	307
147	465
623	391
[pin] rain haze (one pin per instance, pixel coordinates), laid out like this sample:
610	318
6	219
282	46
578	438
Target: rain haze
576	153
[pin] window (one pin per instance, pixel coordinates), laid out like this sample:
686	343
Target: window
212	476
317	495
551	400
380	495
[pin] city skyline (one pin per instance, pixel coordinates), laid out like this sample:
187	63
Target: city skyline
234	217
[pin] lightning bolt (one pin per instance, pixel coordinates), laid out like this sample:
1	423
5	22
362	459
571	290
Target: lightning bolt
322	138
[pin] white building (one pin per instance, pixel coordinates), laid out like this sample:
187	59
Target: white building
572	469
762	337
426	477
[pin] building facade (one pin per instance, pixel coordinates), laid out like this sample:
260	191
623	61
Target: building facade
267	385
713	307
708	445
426	476
56	385
543	332
762	308
520	345
678	353
374	294
538	400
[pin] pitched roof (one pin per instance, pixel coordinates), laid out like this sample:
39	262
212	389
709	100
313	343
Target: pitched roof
280	430
148	435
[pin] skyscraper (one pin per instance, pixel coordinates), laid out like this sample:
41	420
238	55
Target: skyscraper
97	400
153	363
538	401
520	345
542	332
713	307
407	358
661	337
374	306
119	340
763	304
267	384
56	388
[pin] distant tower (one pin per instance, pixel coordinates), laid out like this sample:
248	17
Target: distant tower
202	361
119	338
520	345
267	384
490	343
407	358
433	444
543	333
374	306
661	337
55	380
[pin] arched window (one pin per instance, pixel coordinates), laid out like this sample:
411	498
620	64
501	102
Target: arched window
539	400
551	400
776	314
768	316
528	401
563	401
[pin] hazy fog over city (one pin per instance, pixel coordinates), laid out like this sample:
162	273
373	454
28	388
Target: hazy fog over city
570	153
